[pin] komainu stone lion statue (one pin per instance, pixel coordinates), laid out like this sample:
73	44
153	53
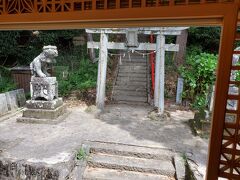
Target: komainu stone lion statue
40	64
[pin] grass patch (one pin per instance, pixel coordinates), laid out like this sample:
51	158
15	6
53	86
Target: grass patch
189	174
82	154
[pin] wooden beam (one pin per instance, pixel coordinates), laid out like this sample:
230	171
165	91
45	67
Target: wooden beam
142	46
102	72
147	17
60	25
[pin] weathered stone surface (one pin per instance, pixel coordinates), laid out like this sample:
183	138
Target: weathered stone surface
3	104
44	88
109	174
44	113
43	121
12	101
40	64
180	167
20	170
153	166
38	104
130	150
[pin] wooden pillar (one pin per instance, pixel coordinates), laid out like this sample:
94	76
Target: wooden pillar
102	71
221	94
159	73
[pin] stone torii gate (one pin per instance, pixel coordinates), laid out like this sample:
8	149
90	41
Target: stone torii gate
132	44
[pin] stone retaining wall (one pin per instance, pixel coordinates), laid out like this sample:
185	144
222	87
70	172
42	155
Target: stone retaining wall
11	101
10	170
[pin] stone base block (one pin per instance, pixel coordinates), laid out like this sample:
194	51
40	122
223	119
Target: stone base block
44	113
43	121
50	105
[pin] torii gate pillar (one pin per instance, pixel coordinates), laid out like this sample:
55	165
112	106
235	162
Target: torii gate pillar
102	71
159	73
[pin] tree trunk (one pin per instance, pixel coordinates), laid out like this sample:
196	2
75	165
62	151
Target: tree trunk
182	41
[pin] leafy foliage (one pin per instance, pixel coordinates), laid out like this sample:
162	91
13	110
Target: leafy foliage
208	36
198	74
6	83
22	46
83	76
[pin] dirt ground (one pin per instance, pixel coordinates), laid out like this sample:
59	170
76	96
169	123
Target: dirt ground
124	124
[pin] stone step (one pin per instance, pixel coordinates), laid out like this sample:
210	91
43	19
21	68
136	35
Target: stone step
134	60
127	83
131	150
124	163
112	174
131	88
130	74
130	93
133	68
131	103
134	63
132	79
129	98
132	71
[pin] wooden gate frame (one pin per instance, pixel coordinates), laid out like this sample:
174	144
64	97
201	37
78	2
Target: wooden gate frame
222	14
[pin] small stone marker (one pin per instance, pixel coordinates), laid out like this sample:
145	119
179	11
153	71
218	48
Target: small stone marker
179	91
211	99
21	98
3	104
12	101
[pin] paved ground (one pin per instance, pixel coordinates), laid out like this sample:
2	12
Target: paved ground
54	144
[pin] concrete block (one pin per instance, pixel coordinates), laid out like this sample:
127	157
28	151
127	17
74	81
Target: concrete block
12	101
43	121
21	98
130	150
3	104
44	113
180	167
108	174
153	166
38	104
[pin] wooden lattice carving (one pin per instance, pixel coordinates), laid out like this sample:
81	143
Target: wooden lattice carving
50	6
19	6
230	152
1	7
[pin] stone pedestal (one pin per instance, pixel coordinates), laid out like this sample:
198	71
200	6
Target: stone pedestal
44	88
44	112
45	106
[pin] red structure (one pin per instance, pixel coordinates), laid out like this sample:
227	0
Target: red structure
152	64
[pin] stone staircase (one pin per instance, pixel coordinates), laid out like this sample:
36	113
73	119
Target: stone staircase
131	83
110	161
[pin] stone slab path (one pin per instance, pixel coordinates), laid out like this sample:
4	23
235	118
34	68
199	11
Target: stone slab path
54	146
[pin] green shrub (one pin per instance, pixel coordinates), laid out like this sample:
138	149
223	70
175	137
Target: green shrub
83	78
6	83
198	74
